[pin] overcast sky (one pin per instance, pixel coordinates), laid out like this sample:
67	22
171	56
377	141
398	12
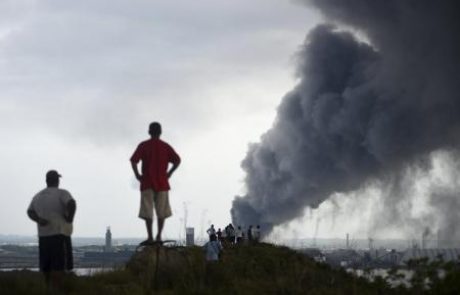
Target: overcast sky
81	80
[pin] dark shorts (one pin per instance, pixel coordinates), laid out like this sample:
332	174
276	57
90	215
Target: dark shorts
55	253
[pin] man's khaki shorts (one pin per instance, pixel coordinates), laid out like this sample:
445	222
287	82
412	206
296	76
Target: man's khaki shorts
160	200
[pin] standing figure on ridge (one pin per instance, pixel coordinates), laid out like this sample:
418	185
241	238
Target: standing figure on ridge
239	235
155	156
213	248
231	234
53	209
256	234
211	231
219	235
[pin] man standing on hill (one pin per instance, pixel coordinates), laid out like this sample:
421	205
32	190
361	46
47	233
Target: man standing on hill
211	231
53	209
155	155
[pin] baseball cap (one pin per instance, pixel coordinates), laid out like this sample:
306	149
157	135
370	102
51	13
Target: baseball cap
52	174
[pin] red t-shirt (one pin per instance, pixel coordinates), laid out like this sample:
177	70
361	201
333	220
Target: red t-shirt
155	155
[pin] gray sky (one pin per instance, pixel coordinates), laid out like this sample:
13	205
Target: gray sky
81	80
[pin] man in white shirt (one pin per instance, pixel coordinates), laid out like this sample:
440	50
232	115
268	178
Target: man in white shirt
53	209
212	249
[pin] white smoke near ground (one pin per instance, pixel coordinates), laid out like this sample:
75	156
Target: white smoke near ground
376	115
421	204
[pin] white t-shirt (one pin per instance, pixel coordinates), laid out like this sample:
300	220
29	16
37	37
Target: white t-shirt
212	249
50	204
211	231
239	233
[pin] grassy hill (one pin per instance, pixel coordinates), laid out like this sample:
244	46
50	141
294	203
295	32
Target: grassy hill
257	269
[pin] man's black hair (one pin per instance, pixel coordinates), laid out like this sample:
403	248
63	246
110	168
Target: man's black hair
155	129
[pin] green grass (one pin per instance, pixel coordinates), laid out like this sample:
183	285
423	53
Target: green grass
257	269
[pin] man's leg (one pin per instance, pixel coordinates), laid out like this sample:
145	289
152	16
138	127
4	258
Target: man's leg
45	259
47	275
163	210
148	225
56	281
54	271
68	266
161	222
146	213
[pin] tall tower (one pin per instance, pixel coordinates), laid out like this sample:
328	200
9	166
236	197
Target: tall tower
108	240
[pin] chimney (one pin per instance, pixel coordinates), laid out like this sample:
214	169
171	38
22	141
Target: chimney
108	240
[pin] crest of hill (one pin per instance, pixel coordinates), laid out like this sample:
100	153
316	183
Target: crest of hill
252	269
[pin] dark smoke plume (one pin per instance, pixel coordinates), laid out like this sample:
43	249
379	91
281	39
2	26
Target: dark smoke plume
362	110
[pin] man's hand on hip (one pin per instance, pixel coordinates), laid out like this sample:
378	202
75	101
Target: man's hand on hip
42	221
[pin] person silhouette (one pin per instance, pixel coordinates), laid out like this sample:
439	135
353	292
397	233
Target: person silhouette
53	209
155	155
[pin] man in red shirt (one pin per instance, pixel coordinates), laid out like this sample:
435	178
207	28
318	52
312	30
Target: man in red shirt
155	155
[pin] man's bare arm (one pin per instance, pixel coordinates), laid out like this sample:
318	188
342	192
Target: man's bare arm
136	171
34	216
173	168
71	208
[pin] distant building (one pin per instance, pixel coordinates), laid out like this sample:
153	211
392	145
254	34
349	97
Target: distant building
432	255
382	258
105	259
314	253
189	236
108	240
343	257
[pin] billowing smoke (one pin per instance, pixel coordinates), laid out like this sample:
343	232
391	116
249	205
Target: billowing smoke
378	93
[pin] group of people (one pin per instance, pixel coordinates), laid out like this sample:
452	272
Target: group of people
238	235
53	209
228	236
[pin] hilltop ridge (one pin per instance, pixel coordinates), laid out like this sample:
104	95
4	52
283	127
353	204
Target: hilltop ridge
253	269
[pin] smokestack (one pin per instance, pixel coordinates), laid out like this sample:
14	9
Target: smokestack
438	243
425	235
348	241
362	111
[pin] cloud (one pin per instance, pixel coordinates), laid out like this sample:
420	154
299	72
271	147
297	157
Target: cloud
114	66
